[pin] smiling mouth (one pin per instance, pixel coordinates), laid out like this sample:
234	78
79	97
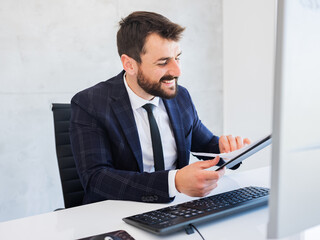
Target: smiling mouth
168	81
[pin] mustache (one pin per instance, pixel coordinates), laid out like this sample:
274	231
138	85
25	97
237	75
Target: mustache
168	77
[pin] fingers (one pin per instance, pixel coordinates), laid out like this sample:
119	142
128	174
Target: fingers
246	141
229	143
213	175
212	181
205	191
209	163
224	144
232	143
221	172
194	180
239	142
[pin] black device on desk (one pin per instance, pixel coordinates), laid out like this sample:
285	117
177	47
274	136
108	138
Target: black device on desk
181	216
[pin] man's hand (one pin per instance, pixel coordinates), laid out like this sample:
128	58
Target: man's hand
195	181
230	143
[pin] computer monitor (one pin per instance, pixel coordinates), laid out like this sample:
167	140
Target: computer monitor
294	203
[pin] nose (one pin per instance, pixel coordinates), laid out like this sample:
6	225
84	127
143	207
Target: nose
175	68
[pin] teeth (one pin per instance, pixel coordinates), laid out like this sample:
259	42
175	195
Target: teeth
168	81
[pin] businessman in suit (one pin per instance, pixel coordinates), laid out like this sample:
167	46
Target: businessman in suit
132	135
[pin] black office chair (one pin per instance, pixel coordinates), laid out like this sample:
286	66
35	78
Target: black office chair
71	186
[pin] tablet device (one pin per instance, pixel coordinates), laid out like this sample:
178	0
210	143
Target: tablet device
252	149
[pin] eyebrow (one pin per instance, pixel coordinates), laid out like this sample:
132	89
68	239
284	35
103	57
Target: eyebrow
166	58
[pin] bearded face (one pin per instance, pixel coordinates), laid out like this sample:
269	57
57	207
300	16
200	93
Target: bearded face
165	87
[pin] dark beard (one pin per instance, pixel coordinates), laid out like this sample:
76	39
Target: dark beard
154	89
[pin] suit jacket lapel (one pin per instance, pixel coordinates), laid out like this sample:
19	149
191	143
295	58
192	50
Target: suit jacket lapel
178	130
123	111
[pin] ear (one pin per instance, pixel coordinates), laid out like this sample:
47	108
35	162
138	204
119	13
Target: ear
129	64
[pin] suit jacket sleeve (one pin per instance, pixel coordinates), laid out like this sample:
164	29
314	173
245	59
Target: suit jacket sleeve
198	137
203	140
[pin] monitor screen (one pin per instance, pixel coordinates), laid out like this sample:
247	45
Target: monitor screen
295	192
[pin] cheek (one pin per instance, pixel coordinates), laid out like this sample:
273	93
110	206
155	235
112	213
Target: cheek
159	73
156	74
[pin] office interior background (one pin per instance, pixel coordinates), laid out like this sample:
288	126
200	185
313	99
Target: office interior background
50	50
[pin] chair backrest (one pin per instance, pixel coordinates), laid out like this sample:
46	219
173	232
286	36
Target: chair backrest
71	186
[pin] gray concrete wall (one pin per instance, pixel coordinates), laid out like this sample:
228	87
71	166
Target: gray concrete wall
49	50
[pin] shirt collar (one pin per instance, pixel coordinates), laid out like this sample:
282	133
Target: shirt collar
136	101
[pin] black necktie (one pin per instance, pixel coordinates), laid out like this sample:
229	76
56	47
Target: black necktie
156	139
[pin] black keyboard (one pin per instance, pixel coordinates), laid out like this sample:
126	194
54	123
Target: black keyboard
178	217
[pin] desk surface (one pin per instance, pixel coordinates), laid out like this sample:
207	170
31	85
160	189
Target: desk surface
107	216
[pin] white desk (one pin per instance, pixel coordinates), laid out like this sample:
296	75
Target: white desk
107	216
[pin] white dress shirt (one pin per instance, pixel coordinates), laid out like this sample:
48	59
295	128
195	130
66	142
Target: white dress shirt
167	137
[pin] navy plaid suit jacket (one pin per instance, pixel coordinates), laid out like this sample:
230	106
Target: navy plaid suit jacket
106	145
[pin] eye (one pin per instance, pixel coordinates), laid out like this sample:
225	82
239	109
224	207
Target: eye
162	63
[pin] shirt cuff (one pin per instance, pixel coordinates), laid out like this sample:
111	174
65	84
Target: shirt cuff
172	184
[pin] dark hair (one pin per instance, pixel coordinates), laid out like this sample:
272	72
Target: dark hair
135	28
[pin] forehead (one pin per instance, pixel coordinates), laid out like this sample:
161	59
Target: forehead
158	47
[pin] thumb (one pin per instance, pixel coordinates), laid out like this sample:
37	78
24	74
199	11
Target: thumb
210	163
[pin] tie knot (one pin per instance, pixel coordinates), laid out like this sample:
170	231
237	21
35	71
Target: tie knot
148	107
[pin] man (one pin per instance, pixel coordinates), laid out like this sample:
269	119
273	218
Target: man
116	153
